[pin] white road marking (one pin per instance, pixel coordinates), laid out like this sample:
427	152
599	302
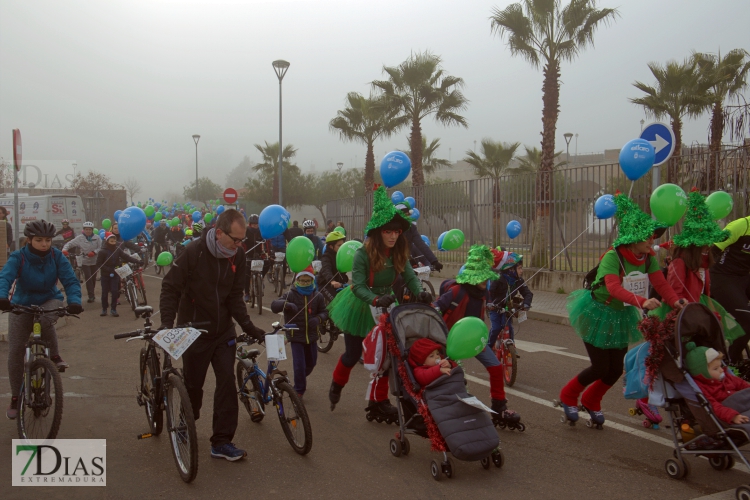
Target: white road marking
535	347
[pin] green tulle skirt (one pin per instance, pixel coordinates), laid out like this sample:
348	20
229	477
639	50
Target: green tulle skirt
732	329
600	325
350	314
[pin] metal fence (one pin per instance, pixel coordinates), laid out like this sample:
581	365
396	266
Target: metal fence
482	208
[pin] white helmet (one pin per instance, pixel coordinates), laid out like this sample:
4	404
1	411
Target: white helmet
308	224
88	224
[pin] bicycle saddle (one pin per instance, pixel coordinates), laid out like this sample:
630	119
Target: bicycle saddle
142	310
253	353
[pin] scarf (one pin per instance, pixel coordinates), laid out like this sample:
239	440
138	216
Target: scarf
40	253
306	290
216	248
474	291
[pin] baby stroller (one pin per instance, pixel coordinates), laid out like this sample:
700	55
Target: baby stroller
436	411
695	428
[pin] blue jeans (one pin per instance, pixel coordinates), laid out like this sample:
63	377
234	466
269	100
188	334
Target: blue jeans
487	357
304	358
498	321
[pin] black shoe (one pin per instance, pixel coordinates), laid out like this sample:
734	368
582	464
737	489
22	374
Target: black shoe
91	300
334	394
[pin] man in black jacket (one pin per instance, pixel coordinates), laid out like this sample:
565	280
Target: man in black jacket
205	285
295	230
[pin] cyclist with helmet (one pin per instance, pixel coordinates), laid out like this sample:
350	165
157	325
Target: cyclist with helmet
309	227
254	250
36	268
66	232
509	265
176	235
160	237
88	244
330	280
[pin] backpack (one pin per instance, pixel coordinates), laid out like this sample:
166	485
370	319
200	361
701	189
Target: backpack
588	280
460	299
635	372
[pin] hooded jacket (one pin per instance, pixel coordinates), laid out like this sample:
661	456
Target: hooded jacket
36	278
716	391
107	259
200	287
86	245
308	307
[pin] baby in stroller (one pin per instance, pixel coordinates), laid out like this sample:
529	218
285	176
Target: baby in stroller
424	357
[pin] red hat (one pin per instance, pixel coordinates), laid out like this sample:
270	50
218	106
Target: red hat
421	349
309	271
109	235
499	258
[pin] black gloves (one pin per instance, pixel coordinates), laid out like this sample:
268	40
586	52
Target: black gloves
74	309
5	304
254	332
424	297
385	300
165	327
437	266
313	322
291	308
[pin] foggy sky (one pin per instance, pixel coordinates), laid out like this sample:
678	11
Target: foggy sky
121	86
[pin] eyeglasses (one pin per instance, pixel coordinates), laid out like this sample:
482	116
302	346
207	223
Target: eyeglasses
237	241
389	232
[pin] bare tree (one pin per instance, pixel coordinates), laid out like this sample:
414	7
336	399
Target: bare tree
132	186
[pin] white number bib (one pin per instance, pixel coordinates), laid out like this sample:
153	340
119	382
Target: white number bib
637	283
176	340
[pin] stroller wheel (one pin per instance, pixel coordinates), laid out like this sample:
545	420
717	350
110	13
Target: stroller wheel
485	463
498	458
396	448
730	462
720	462
449	468
742	493
405	447
436	471
674	469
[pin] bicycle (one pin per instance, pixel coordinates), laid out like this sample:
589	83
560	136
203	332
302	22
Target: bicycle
76	262
41	393
423	274
168	247
163	389
327	335
133	286
256	284
505	345
257	388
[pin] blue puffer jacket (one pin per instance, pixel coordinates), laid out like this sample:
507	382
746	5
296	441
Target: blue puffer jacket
37	278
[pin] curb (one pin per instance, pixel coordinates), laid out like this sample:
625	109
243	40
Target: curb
559	319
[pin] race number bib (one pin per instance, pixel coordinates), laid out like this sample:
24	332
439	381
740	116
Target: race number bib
637	283
176	340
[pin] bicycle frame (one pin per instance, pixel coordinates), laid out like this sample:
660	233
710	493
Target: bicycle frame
266	382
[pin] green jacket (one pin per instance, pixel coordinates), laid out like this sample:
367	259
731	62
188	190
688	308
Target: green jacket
382	282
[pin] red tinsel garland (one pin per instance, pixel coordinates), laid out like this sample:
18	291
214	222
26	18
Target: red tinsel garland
657	333
436	439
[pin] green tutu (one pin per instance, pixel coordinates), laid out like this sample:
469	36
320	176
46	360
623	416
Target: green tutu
732	329
350	314
600	325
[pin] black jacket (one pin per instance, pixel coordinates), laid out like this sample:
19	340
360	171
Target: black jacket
107	260
295	231
418	248
499	290
176	236
308	307
160	235
329	272
252	240
200	287
133	247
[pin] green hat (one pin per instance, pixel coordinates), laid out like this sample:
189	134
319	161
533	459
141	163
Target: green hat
697	359
634	225
385	213
478	267
699	228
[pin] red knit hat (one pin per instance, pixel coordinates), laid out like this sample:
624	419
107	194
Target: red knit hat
421	349
499	258
109	235
309	271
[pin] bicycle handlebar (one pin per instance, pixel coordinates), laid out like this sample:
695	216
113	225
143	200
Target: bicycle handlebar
17	308
149	332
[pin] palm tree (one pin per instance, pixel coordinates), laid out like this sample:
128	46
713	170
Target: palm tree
544	32
532	160
430	161
494	162
417	88
365	120
270	165
679	92
727	78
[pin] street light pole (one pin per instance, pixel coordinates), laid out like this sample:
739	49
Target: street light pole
280	67
196	138
642	122
568	136
576	147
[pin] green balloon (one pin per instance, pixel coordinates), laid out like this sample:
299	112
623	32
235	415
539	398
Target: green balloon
164	259
300	253
453	239
175	221
340	230
149	210
158	216
208	218
668	203
719	204
345	255
106	224
467	338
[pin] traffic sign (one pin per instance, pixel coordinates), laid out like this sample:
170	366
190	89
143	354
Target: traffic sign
17	148
662	139
230	195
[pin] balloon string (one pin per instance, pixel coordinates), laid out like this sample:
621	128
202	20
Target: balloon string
632	183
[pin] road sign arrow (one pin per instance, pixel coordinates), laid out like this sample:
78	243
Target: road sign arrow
659	143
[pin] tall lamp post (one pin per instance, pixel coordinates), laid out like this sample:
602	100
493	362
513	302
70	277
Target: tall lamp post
568	136
196	138
280	67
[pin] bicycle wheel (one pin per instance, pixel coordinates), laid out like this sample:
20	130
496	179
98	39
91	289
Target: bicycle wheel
276	280
510	363
427	287
79	274
132	295
293	418
325	337
181	428
282	279
141	288
288	276
251	397
147	397
258	281
40	415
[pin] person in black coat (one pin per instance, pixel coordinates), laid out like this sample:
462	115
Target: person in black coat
305	307
109	257
331	280
295	230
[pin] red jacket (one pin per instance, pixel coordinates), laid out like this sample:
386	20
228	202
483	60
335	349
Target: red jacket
425	375
716	391
686	283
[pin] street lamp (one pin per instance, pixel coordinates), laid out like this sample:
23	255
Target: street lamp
280	66
568	136
196	138
576	147
642	122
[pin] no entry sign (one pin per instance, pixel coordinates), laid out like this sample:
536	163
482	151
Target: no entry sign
230	195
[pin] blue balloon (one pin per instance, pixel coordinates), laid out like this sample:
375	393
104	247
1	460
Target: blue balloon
411	201
220	209
397	197
513	229
197	216
131	222
117	214
324	248
636	158
605	207
102	232
395	168
426	240
440	241
272	221
414	214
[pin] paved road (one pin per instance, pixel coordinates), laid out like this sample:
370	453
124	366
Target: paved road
350	456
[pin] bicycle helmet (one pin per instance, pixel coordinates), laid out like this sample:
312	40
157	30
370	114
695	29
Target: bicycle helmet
40	228
308	224
188	232
65	221
512	261
253	219
334	236
197	227
88	224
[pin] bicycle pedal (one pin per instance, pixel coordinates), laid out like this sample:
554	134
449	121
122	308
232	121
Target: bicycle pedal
144	436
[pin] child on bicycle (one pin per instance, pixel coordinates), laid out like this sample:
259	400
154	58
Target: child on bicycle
505	289
36	269
305	307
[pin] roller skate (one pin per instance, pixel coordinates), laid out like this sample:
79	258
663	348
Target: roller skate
382	411
571	412
597	418
504	417
334	394
651	412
